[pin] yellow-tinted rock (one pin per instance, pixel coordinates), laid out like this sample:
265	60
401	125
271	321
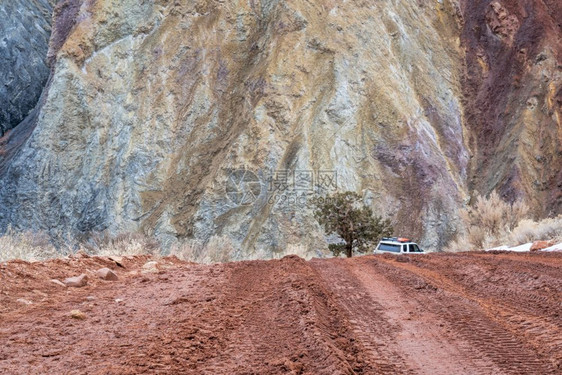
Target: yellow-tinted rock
157	111
77	314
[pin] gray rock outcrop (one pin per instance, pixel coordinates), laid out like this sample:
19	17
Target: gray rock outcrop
25	28
217	120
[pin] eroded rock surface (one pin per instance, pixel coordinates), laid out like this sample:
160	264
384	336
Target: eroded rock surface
25	28
513	88
152	106
190	119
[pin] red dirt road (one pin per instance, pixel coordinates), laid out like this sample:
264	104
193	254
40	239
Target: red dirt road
427	314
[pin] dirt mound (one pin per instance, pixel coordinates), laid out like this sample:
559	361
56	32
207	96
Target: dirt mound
436	314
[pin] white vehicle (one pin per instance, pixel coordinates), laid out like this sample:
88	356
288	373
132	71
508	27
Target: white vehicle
398	245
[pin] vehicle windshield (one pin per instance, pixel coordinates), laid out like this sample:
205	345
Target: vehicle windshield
389	247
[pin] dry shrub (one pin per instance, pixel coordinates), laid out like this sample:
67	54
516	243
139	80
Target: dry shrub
124	244
494	215
216	250
492	222
460	244
488	222
27	246
530	231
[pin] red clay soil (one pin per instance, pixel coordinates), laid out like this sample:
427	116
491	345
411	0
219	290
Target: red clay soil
478	313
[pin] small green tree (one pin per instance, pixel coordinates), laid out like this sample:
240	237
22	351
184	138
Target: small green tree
345	215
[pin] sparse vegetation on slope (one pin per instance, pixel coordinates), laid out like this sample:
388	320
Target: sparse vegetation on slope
492	222
217	250
31	246
27	246
105	244
529	231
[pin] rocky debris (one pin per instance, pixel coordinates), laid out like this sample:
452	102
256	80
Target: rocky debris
42	281
106	274
77	281
77	314
80	255
58	282
150	267
540	245
24	301
117	259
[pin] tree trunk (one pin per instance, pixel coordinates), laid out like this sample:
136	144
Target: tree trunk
349	249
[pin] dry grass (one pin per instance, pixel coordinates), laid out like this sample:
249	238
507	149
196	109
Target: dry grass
125	244
217	250
36	247
31	246
492	222
27	246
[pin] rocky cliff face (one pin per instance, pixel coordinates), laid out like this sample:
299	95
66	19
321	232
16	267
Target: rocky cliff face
25	28
513	90
206	118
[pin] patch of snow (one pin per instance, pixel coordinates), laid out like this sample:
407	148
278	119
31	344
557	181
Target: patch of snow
504	247
520	248
525	247
557	247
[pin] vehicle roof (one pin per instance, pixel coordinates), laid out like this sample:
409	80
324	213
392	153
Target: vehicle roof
397	240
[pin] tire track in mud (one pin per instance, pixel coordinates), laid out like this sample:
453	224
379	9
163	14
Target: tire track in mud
500	328
425	338
285	322
370	329
429	314
392	326
523	292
